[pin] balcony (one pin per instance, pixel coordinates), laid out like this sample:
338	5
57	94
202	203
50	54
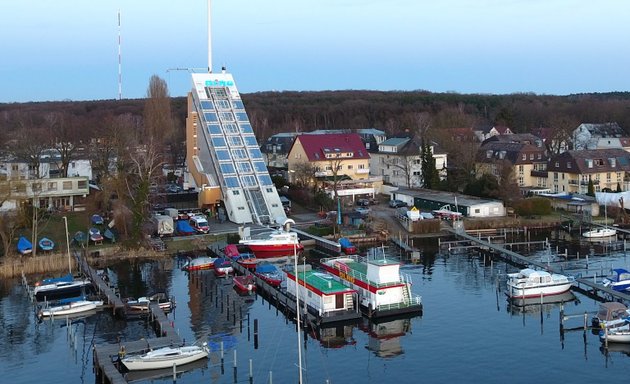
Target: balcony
535	173
362	171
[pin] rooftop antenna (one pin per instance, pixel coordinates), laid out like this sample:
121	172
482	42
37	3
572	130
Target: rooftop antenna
209	36
119	62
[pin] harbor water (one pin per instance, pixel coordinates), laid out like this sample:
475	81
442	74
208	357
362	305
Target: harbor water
468	333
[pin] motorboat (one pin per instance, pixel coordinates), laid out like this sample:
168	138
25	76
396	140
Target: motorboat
45	244
166	357
615	335
244	283
381	287
531	283
269	273
347	247
276	243
618	281
223	267
72	308
148	375
610	315
95	235
199	263
242	255
599	233
141	305
24	246
61	289
79	237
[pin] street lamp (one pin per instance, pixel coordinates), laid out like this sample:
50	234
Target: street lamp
65	220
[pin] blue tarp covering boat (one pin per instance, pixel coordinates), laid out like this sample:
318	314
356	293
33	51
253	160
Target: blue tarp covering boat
24	246
109	235
80	237
45	244
183	228
347	246
97	220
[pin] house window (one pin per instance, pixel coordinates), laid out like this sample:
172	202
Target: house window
524	157
361	166
67	185
531	156
236	193
569	164
557	164
350	166
328	168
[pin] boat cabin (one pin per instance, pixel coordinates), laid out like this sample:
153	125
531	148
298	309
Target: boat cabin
323	294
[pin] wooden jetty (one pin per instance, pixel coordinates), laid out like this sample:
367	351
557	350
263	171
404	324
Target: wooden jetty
328	245
102	287
106	355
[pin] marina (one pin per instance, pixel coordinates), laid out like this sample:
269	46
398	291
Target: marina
252	317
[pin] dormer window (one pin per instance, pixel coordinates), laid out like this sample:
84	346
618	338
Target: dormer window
524	157
568	164
557	165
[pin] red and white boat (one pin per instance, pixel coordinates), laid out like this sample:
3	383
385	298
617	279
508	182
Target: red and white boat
222	267
277	243
242	255
270	274
244	283
199	263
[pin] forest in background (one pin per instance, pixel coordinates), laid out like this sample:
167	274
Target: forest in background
395	112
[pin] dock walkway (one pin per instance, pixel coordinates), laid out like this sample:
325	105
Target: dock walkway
102	287
329	245
594	289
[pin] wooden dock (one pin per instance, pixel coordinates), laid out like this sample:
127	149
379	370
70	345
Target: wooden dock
328	245
102	287
106	355
593	288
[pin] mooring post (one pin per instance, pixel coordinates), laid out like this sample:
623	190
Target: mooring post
174	372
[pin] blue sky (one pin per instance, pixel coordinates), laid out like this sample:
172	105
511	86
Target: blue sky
68	49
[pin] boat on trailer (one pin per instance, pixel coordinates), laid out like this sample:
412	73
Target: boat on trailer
166	357
382	289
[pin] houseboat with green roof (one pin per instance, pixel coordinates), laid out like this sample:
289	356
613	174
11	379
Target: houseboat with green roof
382	289
327	299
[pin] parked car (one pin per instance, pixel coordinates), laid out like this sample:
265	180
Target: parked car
363	202
362	210
397	203
173	188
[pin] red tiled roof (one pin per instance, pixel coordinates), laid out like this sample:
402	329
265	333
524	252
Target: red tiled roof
315	146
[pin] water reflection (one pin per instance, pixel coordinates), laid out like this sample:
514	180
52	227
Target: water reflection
385	337
535	305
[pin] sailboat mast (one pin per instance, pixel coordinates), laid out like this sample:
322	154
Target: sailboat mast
297	307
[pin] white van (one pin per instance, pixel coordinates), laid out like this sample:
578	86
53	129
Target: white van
200	224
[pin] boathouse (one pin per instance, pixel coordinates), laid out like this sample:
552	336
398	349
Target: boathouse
430	200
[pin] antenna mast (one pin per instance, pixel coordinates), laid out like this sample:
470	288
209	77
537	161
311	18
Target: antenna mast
209	36
119	62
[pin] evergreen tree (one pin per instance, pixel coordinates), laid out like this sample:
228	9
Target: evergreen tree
430	175
591	188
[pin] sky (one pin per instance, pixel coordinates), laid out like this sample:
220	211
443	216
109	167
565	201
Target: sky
68	49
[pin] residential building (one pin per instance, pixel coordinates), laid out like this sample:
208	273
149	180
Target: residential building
338	160
275	150
524	154
571	171
487	132
371	137
399	161
589	135
19	182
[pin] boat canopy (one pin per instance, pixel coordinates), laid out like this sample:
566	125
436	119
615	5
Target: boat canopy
611	310
266	268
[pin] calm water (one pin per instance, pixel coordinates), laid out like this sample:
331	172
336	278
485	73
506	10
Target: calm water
468	333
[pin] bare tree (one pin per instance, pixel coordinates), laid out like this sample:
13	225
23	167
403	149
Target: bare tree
335	165
63	138
303	174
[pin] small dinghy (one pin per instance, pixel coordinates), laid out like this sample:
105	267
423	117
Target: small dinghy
45	244
244	284
165	357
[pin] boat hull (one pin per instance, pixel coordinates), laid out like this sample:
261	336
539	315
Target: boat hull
531	292
244	283
615	336
70	309
267	251
160	359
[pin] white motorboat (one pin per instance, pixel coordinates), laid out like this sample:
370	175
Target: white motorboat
615	335
599	233
531	283
60	288
165	357
72	308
